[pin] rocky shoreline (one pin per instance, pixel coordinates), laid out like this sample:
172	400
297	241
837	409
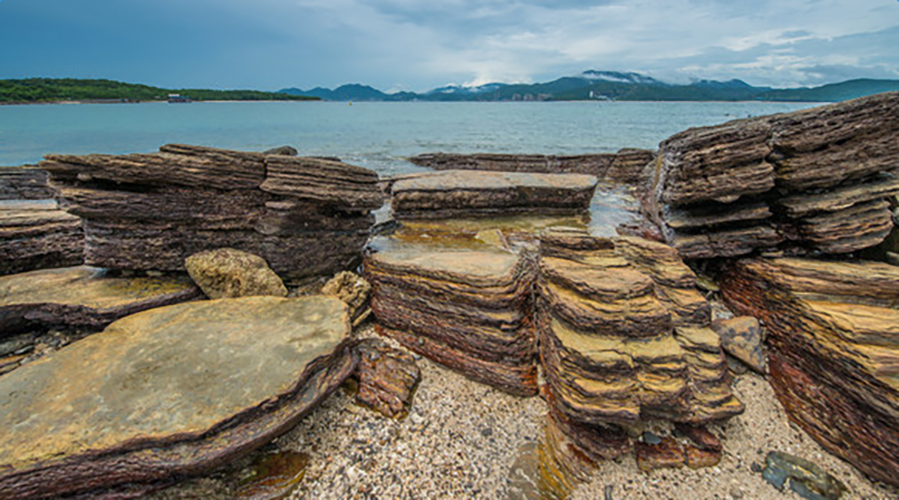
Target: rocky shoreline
537	327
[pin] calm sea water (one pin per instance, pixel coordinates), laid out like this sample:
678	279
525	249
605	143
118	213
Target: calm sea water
375	135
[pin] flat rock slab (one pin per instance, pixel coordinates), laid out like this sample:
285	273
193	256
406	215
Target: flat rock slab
454	193
174	390
82	297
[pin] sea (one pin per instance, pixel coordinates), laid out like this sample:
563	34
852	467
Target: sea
376	135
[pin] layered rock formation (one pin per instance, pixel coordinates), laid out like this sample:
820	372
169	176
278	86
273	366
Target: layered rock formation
25	183
812	181
387	378
833	350
36	234
465	193
82	297
469	310
169	392
624	335
624	166
304	216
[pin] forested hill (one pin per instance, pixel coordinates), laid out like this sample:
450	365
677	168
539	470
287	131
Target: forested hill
34	90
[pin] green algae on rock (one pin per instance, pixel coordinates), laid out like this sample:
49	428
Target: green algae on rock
173	391
83	297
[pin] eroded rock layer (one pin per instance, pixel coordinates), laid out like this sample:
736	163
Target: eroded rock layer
812	181
624	334
304	216
467	309
169	392
833	350
624	166
464	193
36	234
82	297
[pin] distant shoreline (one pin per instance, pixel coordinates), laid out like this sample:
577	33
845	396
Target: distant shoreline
163	101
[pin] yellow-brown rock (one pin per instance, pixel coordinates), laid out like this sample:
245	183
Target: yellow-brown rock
83	297
833	349
625	336
169	392
226	273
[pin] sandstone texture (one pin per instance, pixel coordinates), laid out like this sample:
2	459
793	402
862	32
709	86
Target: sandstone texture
812	182
464	193
470	310
82	297
625	336
741	337
169	392
624	166
36	234
352	289
304	216
832	332
226	273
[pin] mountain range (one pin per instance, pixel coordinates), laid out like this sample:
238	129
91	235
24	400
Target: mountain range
610	86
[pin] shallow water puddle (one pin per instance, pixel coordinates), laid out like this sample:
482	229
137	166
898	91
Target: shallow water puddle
273	475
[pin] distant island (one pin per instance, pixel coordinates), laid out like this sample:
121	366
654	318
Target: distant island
48	90
611	86
589	85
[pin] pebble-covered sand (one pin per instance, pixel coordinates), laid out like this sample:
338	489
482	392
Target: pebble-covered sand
461	439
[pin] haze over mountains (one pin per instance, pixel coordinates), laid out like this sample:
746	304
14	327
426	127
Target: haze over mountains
610	86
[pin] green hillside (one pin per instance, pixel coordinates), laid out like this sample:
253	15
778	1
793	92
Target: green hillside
33	90
833	92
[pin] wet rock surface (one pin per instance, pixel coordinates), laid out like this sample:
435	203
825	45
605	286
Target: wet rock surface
463	193
83	297
304	216
226	273
812	181
832	333
36	234
624	166
805	478
171	391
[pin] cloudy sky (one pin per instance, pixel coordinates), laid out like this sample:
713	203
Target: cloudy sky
421	44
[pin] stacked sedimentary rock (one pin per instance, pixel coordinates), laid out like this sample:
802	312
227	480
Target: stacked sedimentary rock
812	181
466	193
304	216
624	166
469	310
34	232
833	350
624	335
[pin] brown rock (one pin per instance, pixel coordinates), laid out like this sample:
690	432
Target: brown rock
387	378
467	309
624	334
304	216
25	183
38	235
624	166
741	337
82	297
832	350
169	392
666	454
713	189
351	288
455	193
226	273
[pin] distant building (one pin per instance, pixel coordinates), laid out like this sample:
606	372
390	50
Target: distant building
178	98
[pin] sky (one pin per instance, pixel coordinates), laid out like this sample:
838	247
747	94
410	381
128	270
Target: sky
418	45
